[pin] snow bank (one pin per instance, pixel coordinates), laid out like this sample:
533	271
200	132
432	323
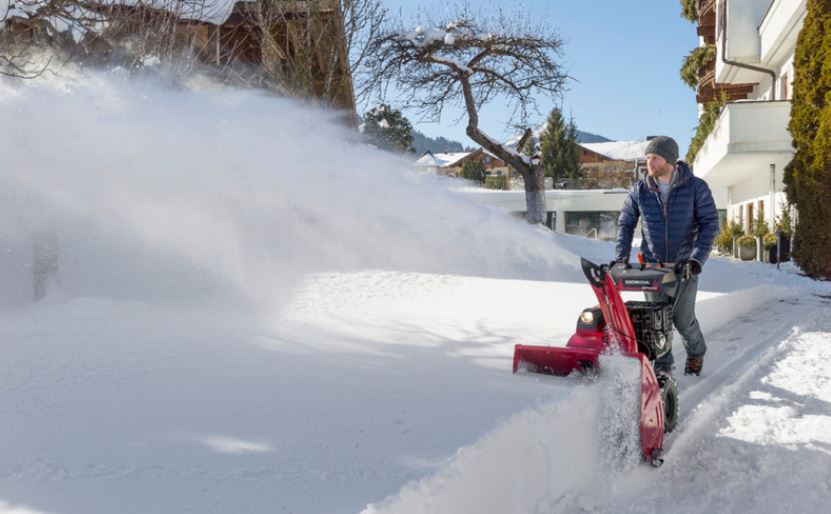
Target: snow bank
541	457
176	193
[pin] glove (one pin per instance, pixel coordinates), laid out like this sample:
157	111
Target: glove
687	267
695	266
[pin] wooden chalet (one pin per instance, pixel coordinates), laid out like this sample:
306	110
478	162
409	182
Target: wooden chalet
301	40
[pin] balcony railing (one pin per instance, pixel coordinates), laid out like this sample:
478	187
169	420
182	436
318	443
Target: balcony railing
745	136
780	27
709	90
707	21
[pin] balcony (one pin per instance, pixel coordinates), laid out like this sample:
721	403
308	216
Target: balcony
709	89
707	21
748	136
743	40
779	29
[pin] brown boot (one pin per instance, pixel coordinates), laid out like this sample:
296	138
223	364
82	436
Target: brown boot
694	365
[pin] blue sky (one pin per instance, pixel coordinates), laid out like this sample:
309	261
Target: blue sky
623	55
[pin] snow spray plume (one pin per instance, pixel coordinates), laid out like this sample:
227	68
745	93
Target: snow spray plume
183	194
549	458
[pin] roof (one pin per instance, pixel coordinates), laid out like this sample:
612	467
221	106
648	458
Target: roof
215	12
619	150
442	160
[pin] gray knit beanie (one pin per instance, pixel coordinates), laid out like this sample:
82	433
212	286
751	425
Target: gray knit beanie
664	146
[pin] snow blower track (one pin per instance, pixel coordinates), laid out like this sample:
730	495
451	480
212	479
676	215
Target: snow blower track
709	466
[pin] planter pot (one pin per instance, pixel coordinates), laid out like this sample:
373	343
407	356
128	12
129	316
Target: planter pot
747	253
784	249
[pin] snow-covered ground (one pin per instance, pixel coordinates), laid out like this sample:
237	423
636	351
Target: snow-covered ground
256	314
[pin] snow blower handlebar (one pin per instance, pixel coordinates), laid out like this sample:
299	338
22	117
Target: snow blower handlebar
656	277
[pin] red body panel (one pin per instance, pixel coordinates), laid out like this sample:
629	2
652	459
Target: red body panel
584	348
550	360
652	411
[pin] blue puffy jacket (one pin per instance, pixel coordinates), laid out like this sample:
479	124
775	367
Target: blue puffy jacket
684	228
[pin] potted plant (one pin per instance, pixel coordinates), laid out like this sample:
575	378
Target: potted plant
760	230
747	247
724	240
783	229
769	242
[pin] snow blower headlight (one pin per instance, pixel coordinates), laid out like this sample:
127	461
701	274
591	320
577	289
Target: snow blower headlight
587	317
590	319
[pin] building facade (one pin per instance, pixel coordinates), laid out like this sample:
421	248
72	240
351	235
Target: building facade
299	44
451	164
749	146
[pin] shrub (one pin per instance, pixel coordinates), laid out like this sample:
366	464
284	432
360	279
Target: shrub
724	240
747	241
706	123
783	222
808	175
694	61
688	10
760	225
474	170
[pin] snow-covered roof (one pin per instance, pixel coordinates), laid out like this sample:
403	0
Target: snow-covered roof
213	11
619	150
441	160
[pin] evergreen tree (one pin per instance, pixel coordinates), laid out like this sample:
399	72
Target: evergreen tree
808	176
474	169
559	151
530	148
387	128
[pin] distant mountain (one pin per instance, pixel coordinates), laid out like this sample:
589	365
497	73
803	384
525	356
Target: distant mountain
422	143
582	137
588	137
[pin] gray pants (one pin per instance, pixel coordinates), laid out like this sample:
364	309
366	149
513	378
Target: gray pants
685	322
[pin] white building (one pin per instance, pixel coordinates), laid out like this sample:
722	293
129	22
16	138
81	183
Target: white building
590	213
750	144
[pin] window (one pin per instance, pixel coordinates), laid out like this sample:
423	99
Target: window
749	227
593	224
783	87
551	220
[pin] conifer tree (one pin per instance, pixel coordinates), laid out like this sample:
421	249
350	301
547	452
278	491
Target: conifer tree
530	149
559	151
474	170
387	128
808	176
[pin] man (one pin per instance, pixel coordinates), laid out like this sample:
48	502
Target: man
679	222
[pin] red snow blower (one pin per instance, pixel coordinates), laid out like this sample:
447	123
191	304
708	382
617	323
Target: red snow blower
638	329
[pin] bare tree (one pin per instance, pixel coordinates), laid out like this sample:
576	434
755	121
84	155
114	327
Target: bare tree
314	48
363	22
81	29
472	61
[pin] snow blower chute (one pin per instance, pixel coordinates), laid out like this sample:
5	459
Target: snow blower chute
637	329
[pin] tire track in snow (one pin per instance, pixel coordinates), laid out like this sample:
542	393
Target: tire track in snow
694	467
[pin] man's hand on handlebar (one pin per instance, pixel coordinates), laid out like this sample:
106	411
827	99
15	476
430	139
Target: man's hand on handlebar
687	268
